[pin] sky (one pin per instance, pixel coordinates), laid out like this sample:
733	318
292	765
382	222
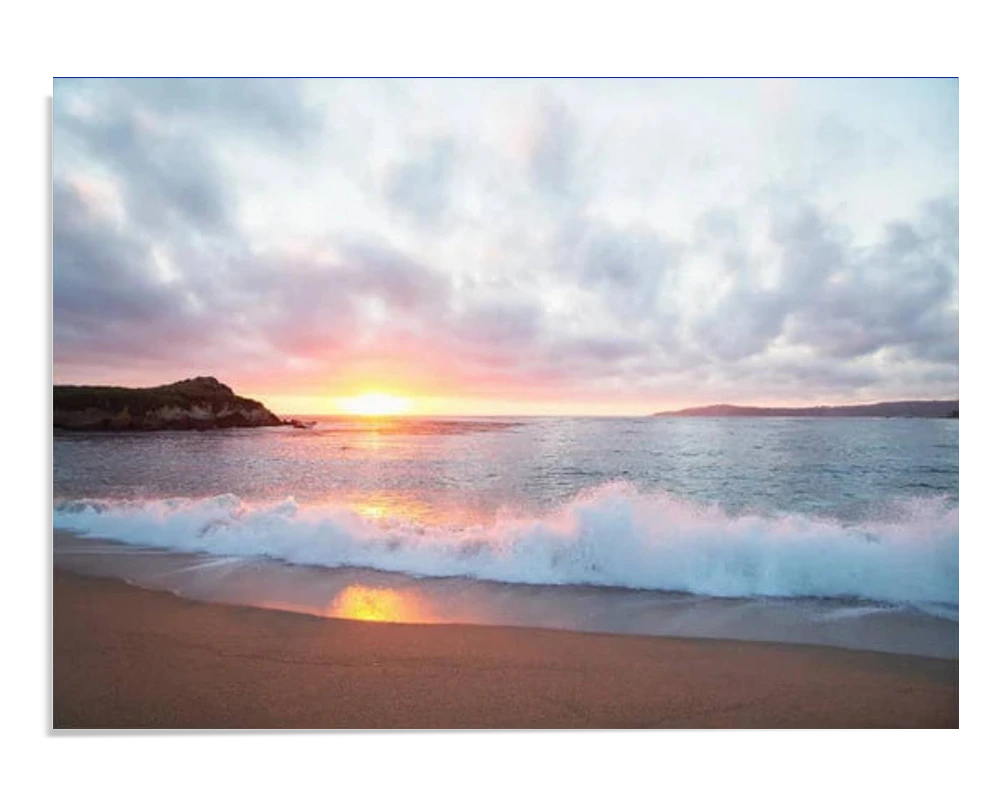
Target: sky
509	246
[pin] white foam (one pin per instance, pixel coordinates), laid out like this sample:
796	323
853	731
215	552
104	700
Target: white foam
610	536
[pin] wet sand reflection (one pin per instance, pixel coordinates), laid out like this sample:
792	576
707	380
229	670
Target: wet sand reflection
380	605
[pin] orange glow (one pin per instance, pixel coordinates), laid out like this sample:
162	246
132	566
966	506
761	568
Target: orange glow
448	406
378	604
374	404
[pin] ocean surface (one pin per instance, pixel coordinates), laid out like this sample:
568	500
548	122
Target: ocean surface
819	530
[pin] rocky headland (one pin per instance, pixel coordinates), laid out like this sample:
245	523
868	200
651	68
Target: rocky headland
199	403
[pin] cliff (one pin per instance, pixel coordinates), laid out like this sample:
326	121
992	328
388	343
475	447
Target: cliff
884	409
201	403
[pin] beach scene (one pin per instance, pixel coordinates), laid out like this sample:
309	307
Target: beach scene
505	404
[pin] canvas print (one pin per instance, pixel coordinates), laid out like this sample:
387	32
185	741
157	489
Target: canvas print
505	403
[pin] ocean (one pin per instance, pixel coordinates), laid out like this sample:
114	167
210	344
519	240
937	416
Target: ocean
832	531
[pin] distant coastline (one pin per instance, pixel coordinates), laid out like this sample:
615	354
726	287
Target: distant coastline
882	409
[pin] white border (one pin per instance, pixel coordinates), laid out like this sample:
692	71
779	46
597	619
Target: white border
819	768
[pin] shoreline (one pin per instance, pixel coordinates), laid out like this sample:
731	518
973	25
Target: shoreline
125	657
346	591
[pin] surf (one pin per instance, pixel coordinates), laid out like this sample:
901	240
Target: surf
610	536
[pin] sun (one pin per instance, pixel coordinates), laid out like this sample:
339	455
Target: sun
375	404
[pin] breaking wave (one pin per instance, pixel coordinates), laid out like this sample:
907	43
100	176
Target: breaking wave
609	536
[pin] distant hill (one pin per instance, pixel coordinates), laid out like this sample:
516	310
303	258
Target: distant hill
200	403
884	409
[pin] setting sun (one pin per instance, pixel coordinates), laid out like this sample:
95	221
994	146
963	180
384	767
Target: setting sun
375	404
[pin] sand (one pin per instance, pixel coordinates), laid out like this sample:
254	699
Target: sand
125	657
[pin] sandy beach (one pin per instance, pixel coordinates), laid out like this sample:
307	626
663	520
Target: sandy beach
124	657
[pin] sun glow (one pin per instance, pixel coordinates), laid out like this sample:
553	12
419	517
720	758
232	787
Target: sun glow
375	404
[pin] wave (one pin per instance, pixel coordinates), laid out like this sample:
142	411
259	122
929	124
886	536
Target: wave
610	536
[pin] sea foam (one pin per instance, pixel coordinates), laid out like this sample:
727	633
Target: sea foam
609	536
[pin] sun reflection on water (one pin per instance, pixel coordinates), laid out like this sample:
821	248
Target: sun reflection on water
409	508
372	510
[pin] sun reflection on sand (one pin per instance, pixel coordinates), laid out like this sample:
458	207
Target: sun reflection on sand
378	604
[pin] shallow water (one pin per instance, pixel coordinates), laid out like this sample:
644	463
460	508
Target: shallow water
841	467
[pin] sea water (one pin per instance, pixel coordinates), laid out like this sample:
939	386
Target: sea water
838	531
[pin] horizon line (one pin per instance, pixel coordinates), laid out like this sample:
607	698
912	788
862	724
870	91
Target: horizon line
653	413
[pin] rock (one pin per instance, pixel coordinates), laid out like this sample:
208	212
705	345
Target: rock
297	424
199	403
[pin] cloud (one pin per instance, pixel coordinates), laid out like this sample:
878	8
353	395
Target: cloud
166	179
108	300
553	149
419	186
273	109
900	293
312	228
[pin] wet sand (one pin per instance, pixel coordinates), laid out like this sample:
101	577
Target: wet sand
125	657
